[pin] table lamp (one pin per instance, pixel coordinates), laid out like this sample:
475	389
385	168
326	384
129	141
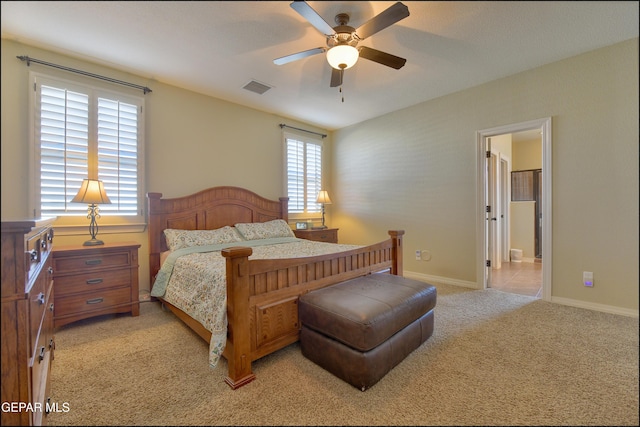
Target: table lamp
323	199
92	192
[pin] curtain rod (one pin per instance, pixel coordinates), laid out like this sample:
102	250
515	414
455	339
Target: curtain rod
282	125
84	73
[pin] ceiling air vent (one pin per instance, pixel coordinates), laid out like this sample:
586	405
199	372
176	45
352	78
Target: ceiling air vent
257	87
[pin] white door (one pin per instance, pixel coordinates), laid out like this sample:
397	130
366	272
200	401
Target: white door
485	245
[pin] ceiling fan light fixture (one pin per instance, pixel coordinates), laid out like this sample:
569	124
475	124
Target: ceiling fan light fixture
342	56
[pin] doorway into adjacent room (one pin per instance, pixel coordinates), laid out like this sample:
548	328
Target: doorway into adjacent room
514	221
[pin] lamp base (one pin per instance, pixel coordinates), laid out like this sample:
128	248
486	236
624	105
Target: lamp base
93	242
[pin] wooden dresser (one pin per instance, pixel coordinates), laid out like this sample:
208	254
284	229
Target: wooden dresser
27	321
329	235
95	280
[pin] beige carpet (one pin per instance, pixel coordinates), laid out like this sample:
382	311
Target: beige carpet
494	359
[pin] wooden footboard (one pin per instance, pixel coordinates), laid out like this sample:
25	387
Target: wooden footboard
262	296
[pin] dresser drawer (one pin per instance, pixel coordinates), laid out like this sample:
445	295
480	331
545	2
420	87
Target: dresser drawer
91	282
38	248
82	303
91	262
37	305
40	311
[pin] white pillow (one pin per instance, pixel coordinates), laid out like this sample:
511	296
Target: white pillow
178	239
265	230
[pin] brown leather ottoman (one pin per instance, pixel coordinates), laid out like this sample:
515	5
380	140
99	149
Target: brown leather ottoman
362	328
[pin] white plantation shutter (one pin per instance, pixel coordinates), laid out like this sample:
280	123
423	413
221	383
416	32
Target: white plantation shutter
304	173
83	132
64	155
118	154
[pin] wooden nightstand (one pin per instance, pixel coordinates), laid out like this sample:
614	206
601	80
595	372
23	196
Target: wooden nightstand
95	280
319	235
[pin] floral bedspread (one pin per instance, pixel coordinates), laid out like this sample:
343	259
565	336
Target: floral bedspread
195	280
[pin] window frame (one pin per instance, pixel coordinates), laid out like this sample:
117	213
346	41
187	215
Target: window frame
69	224
311	209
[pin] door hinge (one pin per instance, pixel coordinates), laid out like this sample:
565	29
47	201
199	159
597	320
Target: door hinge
488	263
488	208
488	154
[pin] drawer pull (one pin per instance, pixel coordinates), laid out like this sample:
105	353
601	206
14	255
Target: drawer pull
34	255
43	244
52	344
95	301
94	281
93	262
40	298
51	307
41	355
50	270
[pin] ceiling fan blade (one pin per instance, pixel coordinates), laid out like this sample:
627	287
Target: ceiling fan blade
381	21
336	77
299	55
307	12
382	57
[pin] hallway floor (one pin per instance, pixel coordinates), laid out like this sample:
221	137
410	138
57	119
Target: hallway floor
523	278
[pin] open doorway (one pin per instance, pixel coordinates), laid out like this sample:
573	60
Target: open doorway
495	237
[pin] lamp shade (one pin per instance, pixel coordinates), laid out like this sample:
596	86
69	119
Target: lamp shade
323	197
342	56
91	192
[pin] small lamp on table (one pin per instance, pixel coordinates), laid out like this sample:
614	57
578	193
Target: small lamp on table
323	199
92	192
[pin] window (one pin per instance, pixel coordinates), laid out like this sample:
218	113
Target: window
304	174
80	132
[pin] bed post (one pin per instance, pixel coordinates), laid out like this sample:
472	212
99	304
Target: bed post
153	207
396	239
238	348
284	208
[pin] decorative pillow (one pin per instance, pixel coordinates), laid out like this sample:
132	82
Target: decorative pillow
265	230
178	239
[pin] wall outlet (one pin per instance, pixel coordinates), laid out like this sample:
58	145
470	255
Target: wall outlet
587	278
418	254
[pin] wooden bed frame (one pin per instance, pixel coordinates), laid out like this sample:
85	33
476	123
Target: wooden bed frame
262	295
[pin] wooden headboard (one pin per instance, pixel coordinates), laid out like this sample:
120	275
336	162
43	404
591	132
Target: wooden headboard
206	210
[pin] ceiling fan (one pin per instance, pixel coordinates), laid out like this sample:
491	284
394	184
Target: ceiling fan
342	40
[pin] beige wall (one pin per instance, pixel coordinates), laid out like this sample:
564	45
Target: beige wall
415	169
527	155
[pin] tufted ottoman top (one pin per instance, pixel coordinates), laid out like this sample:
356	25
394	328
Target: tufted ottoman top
364	312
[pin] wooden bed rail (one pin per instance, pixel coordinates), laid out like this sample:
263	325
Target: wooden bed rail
262	296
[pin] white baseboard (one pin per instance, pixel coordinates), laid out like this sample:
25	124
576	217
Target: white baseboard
594	306
557	300
438	279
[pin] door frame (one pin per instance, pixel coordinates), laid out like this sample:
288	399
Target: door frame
481	197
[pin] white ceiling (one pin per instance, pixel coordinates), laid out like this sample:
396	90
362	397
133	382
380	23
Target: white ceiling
217	47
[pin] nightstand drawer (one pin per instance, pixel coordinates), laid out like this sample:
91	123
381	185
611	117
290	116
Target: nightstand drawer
92	282
89	302
90	262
